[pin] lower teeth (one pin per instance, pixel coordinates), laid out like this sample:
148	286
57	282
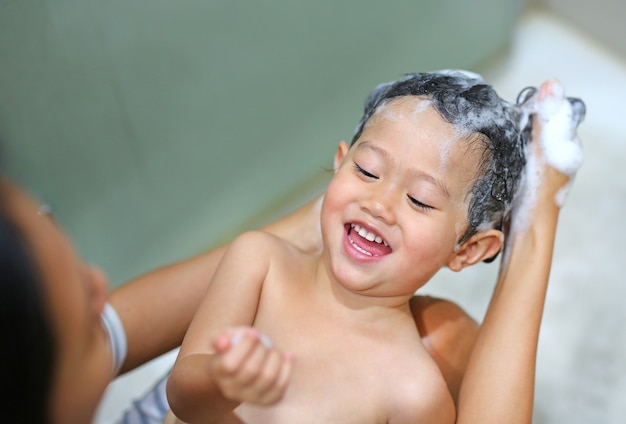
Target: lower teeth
360	249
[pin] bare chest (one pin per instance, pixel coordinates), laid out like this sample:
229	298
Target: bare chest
342	373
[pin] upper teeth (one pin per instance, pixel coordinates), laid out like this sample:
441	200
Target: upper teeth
368	235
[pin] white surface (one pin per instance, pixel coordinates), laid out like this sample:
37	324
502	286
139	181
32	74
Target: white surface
603	19
130	386
581	369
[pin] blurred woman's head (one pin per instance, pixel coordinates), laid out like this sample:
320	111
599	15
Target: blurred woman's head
27	353
54	355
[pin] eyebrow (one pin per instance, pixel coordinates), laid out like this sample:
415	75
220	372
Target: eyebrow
418	173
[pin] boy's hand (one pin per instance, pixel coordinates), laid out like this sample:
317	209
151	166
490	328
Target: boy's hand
246	368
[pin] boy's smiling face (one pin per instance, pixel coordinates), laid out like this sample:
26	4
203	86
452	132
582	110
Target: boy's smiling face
397	205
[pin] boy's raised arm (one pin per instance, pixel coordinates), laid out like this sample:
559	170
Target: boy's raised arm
499	383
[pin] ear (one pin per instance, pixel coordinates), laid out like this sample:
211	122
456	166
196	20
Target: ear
481	246
342	149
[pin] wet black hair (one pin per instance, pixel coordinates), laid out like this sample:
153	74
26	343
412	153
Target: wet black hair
473	107
27	355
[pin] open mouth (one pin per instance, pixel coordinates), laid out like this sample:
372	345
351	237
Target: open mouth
367	242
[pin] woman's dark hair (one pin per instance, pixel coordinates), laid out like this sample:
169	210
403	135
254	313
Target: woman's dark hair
27	353
470	105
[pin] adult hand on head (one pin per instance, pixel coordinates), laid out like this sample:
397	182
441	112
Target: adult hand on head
553	155
499	383
556	152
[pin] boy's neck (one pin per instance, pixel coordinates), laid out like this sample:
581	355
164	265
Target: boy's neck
364	306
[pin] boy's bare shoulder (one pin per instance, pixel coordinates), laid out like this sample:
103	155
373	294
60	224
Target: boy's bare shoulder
425	399
448	333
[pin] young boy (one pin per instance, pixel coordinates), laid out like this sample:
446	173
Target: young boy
428	182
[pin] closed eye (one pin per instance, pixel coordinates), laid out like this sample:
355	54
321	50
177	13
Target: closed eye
364	172
420	205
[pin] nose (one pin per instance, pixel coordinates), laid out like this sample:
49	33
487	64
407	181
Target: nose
380	202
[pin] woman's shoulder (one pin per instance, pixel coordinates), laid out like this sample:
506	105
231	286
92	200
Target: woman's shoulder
258	238
262	244
435	311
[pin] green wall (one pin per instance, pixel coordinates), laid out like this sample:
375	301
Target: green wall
156	128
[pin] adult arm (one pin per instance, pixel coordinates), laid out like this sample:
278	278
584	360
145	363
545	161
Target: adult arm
500	377
156	308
